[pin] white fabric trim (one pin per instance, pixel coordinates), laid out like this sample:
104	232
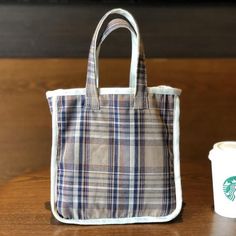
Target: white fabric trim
108	221
162	89
129	220
176	135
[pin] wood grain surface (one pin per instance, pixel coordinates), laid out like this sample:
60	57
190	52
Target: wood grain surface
25	210
208	115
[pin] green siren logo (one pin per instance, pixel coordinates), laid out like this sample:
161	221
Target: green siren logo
229	188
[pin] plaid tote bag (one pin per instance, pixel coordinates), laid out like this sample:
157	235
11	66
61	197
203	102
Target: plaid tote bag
115	151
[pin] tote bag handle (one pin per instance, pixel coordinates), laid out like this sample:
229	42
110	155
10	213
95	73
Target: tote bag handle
138	73
112	26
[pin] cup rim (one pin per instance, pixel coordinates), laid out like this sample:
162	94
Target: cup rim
220	149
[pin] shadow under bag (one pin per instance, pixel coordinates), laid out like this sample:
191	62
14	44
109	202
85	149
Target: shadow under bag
115	151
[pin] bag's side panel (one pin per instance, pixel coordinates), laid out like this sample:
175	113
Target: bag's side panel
164	105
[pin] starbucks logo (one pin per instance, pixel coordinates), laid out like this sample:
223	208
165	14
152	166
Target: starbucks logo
229	188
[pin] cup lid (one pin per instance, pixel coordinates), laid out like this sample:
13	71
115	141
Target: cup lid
222	149
226	146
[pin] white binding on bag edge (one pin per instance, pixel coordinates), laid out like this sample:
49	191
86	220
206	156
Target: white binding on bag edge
162	89
129	220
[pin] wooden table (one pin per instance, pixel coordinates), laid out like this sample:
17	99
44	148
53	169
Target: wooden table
207	115
25	210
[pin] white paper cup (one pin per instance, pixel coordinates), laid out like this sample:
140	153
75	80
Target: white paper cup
223	164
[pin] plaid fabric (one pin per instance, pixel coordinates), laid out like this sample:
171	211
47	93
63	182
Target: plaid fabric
117	162
115	151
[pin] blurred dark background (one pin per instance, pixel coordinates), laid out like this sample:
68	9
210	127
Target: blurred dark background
170	29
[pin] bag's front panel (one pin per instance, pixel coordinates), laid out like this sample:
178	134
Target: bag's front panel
117	161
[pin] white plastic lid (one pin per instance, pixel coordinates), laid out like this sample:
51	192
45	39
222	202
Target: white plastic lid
223	149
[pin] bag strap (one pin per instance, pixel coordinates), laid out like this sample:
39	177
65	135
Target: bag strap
138	73
112	26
